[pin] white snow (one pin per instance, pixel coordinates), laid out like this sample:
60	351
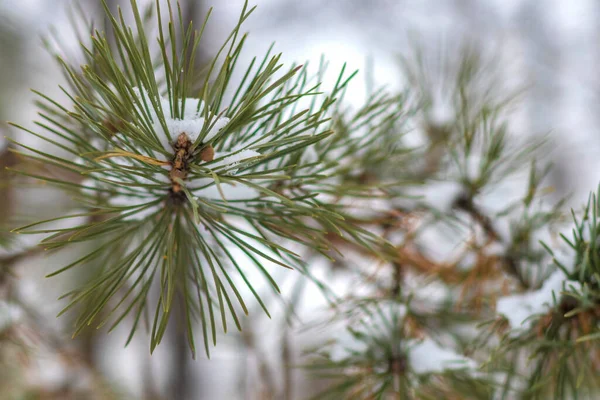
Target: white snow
192	121
425	356
517	308
192	124
204	187
428	357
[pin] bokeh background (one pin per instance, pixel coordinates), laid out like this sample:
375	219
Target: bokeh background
548	47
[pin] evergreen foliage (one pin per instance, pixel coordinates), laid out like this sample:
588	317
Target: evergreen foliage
172	182
191	187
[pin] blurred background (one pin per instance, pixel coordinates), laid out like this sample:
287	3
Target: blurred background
548	47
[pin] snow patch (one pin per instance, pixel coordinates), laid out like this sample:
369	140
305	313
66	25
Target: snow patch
517	308
428	357
192	122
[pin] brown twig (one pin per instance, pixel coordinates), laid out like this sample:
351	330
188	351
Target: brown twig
465	203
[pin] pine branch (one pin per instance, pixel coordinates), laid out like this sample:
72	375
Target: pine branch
174	183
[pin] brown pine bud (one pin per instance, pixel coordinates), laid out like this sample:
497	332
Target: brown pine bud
207	154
